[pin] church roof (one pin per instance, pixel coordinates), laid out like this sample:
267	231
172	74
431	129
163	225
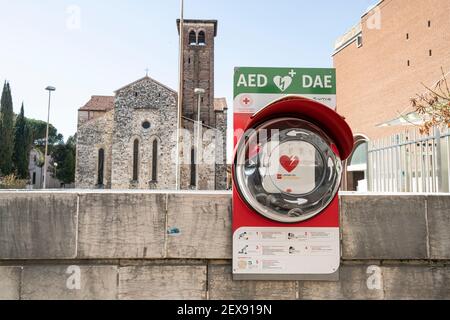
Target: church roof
220	104
99	103
145	78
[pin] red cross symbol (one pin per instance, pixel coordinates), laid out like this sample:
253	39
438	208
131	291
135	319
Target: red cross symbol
247	101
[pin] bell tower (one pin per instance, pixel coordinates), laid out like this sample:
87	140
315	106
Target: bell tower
198	68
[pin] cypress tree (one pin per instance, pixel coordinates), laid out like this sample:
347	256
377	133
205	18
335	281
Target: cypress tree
21	146
6	131
69	167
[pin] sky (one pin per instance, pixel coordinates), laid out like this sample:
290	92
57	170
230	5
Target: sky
86	48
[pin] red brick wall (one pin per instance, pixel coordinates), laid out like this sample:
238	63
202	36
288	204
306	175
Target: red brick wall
374	82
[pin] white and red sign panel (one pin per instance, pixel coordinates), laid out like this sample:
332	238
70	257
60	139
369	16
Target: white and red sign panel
289	146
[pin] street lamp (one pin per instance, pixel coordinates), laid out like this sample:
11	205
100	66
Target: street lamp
50	90
199	92
180	98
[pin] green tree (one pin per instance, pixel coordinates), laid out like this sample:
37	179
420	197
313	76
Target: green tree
38	129
64	155
21	146
6	131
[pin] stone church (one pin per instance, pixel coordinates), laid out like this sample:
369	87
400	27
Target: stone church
128	141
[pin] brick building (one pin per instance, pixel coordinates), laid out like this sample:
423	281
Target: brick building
128	141
382	62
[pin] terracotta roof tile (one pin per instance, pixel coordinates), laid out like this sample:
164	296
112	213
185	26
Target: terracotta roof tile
99	103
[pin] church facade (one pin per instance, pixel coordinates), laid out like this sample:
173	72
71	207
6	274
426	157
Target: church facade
128	141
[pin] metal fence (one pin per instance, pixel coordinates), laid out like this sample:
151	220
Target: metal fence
410	162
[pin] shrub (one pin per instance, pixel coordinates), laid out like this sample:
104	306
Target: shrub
11	182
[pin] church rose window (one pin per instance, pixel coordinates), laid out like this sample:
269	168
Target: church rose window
146	125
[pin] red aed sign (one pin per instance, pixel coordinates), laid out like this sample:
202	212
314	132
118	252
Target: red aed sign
286	176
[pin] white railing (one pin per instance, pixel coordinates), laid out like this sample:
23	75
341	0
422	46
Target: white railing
410	162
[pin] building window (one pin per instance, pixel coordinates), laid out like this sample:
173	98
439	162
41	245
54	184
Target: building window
201	38
155	161
136	160
101	167
146	125
429	23
193	169
408	63
430	52
192	38
34	178
359	41
407	36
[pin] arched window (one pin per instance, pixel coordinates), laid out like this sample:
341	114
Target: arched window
355	177
193	169
101	167
155	161
192	38
136	160
201	38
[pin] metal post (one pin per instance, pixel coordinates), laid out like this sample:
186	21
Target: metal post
369	169
49	89
377	170
387	144
447	135
398	162
438	161
410	160
416	163
180	99
199	130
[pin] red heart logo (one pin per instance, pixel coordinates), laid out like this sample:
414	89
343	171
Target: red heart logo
289	163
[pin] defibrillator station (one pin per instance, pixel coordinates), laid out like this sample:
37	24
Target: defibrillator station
289	148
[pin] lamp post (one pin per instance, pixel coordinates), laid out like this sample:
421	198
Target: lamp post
50	90
56	168
199	92
180	100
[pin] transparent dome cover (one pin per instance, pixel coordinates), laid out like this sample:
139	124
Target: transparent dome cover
286	170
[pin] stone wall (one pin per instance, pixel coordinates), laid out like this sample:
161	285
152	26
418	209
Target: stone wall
92	136
221	151
115	132
212	164
206	168
144	100
108	245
